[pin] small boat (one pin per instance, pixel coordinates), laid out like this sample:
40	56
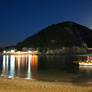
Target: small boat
85	63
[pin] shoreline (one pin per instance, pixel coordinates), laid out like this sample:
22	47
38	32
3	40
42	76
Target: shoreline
24	85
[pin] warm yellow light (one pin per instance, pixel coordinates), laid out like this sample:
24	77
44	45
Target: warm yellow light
4	51
18	52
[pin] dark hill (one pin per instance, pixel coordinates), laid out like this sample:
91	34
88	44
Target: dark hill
66	34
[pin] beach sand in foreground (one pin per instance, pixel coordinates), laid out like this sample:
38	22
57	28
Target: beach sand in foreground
23	85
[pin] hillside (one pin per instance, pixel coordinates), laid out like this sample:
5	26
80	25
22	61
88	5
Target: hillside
66	34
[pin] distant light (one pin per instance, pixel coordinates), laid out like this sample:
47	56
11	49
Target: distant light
29	51
12	51
4	51
8	52
18	52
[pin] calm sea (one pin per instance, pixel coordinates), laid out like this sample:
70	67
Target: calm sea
44	68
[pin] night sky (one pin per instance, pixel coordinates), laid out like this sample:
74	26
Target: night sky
22	18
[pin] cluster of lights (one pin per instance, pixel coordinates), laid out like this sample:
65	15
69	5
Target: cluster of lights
19	52
12	51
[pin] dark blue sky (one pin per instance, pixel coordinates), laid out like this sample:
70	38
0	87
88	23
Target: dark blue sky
22	18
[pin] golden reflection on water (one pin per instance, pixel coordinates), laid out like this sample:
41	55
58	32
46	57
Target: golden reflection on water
86	69
34	63
19	65
86	73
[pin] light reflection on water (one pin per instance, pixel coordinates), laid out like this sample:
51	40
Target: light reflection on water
19	66
86	72
84	76
47	68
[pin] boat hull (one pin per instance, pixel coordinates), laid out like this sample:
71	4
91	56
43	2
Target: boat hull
85	64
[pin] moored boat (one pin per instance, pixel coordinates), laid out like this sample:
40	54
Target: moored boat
85	63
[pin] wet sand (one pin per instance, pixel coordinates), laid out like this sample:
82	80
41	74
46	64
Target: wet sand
23	85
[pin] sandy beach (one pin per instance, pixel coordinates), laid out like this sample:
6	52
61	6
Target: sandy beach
24	85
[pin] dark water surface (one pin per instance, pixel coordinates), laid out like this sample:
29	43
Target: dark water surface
45	68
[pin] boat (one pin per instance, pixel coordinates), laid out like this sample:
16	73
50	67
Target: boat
83	63
87	62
